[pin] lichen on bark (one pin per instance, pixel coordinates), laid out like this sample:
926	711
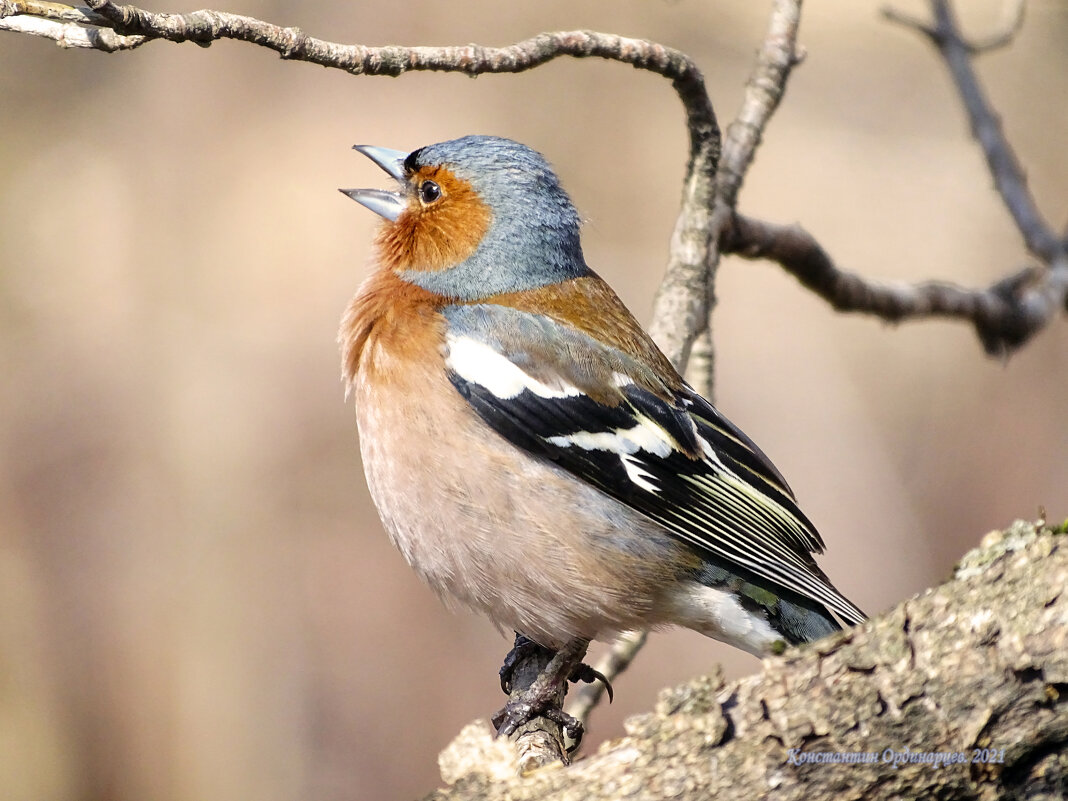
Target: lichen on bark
975	667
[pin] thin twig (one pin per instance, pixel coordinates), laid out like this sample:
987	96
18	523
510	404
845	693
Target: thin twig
1015	308
763	91
680	306
1009	177
67	26
1013	14
681	303
539	740
206	26
778	55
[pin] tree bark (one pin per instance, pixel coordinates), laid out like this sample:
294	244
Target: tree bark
958	693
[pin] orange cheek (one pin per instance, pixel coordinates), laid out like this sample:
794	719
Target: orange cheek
440	235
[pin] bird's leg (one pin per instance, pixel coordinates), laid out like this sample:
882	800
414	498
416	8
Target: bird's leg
525	648
537	679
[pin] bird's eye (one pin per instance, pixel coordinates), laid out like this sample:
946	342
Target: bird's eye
429	191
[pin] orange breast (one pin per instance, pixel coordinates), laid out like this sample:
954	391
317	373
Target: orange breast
389	322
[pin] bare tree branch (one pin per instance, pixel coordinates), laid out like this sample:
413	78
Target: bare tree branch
56	12
539	740
1008	313
681	303
67	26
680	307
619	656
1013	13
206	26
1005	316
764	89
1009	177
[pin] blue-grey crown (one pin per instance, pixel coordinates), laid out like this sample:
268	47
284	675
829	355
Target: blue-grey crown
533	238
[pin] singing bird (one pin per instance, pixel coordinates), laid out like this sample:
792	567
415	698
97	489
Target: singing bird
530	450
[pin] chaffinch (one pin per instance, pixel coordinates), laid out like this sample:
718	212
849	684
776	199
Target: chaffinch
531	451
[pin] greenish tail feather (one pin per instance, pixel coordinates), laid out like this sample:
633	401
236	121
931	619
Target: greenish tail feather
797	618
803	624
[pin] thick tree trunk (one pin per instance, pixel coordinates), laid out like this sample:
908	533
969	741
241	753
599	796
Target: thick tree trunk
959	693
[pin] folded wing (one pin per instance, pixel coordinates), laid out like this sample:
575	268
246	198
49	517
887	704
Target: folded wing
661	449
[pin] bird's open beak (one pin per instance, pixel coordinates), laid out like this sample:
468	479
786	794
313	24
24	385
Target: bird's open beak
381	201
392	161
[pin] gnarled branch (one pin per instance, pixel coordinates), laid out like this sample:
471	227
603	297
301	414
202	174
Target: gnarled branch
1005	315
973	674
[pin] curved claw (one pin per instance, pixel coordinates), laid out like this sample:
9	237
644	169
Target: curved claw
588	675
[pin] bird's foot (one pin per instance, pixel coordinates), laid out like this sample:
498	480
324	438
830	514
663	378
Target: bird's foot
536	678
537	702
525	648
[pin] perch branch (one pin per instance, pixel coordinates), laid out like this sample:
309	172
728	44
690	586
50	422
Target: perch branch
539	741
973	673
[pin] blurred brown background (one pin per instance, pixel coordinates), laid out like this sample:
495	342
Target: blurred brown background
196	598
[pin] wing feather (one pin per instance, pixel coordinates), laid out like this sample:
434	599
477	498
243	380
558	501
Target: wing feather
669	454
